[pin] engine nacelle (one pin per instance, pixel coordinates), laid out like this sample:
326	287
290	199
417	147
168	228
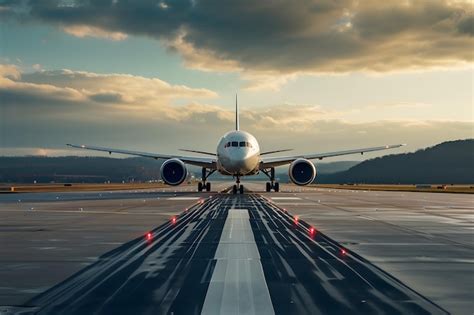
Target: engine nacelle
302	172
173	172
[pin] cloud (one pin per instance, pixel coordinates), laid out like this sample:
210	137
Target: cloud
466	25
91	31
290	117
9	72
48	108
67	92
16	92
266	39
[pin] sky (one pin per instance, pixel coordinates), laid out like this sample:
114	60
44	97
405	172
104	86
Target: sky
311	75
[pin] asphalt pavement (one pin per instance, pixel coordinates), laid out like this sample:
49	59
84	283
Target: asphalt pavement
175	251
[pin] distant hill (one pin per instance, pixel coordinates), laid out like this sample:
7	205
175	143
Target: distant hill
448	162
334	167
77	169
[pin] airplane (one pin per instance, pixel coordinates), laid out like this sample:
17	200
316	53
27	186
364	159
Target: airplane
238	155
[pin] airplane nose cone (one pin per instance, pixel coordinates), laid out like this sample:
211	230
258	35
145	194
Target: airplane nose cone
237	158
238	161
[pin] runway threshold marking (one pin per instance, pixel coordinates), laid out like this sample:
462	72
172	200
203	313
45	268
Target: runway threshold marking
238	284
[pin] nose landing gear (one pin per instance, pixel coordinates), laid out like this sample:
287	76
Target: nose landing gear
238	187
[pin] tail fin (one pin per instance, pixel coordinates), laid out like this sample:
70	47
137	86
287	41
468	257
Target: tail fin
237	120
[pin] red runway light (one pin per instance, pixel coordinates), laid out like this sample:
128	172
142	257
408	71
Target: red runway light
343	251
312	231
149	236
173	220
296	219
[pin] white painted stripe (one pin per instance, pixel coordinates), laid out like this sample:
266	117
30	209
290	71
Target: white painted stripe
286	198
297	203
238	284
183	198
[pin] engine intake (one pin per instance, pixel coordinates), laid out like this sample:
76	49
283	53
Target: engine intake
302	172
173	172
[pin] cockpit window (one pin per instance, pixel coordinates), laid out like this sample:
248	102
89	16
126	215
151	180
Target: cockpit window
248	144
235	144
227	145
242	144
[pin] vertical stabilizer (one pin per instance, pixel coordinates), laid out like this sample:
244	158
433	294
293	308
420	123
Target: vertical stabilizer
237	120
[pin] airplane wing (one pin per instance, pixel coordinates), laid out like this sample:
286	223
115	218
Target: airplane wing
197	151
275	151
282	160
192	160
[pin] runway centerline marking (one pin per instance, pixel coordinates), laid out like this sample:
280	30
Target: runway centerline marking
285	198
238	283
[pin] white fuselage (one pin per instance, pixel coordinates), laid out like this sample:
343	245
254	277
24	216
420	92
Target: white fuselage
238	154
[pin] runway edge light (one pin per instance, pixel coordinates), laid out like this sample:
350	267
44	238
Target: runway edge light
296	219
148	236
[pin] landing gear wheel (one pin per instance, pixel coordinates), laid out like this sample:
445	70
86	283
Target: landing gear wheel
234	189
268	187
208	186
200	186
276	187
241	189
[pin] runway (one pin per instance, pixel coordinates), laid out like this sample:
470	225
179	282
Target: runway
211	253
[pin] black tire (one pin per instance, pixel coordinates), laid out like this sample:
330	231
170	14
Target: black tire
241	189
276	187
208	186
234	189
268	187
200	186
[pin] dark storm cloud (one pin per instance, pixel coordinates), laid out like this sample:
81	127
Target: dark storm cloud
107	97
281	36
466	25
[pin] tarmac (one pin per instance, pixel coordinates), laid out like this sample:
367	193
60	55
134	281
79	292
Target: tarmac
173	250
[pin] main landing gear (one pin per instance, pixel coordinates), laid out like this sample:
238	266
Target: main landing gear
238	187
271	184
203	184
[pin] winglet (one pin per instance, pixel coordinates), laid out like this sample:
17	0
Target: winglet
237	120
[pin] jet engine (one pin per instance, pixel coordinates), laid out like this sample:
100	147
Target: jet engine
173	172
302	172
